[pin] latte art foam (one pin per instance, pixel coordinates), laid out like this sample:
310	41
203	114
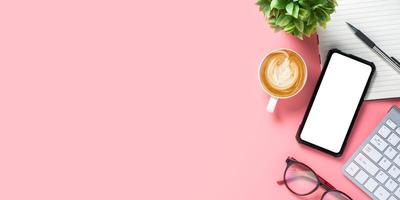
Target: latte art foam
283	73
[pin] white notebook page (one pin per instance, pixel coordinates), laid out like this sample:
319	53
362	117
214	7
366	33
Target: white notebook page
380	21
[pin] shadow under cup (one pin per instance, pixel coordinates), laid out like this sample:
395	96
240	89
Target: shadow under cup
282	74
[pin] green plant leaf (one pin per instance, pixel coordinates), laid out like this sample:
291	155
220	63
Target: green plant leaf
266	10
322	24
296	11
304	3
283	20
303	13
297	17
322	15
329	10
312	19
279	4
264	7
317	6
261	2
299	25
290	27
289	8
279	19
272	21
309	29
261	6
315	2
273	12
298	34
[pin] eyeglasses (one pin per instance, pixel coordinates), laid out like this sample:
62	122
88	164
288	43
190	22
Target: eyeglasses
301	180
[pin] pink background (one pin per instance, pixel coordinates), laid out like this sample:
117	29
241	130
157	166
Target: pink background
150	100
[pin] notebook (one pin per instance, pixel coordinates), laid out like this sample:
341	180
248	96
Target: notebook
379	20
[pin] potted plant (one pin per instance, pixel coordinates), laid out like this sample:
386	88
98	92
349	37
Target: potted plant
297	17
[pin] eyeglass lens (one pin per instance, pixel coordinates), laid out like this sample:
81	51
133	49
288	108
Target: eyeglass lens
301	179
335	195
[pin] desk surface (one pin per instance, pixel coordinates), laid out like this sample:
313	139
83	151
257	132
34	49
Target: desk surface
150	100
216	141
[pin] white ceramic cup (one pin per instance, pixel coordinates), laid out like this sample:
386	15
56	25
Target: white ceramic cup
274	99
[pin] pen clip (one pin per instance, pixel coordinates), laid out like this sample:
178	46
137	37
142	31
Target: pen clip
395	60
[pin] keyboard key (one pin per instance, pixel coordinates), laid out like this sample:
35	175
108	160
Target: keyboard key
391	124
381	177
385	163
384	131
372	153
375	166
378	142
371	184
390	153
392	198
391	185
352	169
394	171
397	160
365	163
397	192
393	139
381	193
361	177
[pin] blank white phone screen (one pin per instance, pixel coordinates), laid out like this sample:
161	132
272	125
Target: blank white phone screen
336	102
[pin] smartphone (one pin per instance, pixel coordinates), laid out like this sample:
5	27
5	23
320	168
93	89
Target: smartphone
336	100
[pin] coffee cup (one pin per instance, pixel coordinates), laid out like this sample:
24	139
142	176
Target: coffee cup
282	75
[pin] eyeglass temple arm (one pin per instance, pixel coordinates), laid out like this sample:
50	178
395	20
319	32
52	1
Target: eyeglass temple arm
280	182
325	182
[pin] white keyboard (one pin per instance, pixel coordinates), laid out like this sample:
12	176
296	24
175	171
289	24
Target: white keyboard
375	166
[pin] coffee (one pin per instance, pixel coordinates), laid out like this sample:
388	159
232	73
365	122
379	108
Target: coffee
283	73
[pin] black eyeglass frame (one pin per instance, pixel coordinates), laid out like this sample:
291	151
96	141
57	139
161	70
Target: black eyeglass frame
321	182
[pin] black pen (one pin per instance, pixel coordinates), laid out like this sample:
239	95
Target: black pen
391	60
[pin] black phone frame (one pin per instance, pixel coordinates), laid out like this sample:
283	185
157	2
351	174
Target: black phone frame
301	126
